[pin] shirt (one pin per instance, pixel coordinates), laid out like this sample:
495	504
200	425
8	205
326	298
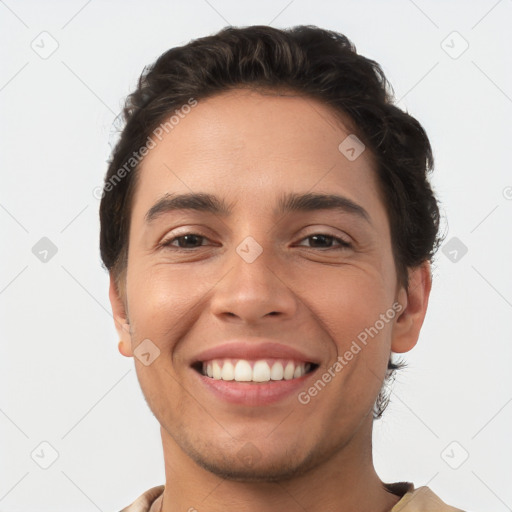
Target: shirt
421	499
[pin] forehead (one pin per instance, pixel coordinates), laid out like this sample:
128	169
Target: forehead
251	147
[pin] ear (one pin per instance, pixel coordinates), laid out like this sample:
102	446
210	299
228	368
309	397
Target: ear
120	319
414	302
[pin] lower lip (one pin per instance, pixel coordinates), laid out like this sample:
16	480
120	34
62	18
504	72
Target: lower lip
254	393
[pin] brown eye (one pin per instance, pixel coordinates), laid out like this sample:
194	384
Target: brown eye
324	241
188	241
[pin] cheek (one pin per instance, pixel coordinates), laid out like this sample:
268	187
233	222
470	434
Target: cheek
357	317
163	302
351	302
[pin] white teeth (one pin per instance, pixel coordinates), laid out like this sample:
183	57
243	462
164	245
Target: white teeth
277	371
288	371
228	371
261	372
217	372
242	370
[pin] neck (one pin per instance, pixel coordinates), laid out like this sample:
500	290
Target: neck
347	480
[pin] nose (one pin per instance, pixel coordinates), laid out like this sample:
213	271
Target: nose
253	291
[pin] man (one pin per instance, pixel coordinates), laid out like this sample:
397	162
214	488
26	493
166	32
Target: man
268	227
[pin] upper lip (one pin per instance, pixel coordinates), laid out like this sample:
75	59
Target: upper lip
244	349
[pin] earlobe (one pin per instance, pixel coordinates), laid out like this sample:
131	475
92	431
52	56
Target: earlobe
414	301
122	349
120	319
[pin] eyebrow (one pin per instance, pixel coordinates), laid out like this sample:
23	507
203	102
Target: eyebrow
291	202
199	202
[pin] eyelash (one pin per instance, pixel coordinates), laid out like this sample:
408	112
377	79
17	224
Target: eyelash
343	245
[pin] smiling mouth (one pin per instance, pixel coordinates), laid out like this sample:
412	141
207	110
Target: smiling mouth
254	371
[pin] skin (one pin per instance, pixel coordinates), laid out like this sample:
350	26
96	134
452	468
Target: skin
249	148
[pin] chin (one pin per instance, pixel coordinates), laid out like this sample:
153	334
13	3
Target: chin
249	464
259	472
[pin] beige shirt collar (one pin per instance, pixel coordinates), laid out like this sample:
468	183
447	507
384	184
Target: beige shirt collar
421	499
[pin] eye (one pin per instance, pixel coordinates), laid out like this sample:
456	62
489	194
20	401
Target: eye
325	241
186	241
195	240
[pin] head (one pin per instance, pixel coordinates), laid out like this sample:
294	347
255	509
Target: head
265	188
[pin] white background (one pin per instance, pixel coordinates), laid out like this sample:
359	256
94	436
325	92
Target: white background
62	379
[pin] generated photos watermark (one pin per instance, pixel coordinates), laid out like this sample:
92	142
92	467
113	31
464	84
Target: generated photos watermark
151	143
305	397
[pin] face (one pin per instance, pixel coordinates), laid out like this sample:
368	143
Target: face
270	290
